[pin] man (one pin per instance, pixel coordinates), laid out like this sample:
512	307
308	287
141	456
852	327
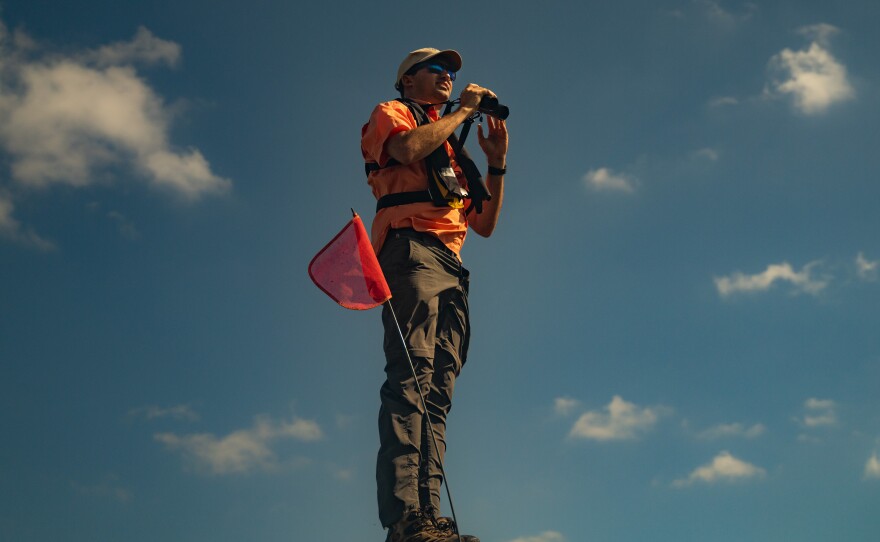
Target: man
418	238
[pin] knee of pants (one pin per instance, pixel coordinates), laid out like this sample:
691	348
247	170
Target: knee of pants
401	399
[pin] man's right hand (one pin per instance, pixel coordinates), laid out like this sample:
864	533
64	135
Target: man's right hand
471	96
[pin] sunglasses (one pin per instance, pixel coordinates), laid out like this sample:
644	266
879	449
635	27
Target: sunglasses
436	69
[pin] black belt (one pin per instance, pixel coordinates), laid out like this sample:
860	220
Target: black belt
403	198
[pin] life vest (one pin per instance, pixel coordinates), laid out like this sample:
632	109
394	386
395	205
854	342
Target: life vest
443	188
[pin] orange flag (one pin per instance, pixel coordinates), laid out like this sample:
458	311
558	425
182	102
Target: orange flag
347	270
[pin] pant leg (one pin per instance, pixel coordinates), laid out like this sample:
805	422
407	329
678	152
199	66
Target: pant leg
400	437
450	354
416	280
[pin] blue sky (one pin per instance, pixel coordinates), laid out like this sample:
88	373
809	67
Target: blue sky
674	324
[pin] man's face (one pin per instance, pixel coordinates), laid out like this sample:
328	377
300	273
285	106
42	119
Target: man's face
428	84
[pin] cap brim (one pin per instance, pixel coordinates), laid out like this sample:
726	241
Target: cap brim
451	58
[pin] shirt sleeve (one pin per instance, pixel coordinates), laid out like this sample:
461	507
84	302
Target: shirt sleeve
388	119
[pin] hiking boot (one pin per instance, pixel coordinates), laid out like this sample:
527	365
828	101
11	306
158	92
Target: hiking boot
447	526
417	527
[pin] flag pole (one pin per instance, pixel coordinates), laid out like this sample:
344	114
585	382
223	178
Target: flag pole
427	418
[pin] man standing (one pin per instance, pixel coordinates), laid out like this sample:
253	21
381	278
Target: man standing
423	213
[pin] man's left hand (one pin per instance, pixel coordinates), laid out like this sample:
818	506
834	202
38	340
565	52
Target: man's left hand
495	144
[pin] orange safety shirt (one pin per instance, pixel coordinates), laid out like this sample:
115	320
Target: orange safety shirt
447	224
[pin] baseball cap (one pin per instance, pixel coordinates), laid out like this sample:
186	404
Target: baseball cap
451	58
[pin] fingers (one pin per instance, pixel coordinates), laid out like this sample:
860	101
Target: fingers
496	126
497	129
477	90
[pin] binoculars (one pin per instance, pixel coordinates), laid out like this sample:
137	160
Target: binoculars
490	106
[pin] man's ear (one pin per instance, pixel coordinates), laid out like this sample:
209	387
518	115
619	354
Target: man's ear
406	81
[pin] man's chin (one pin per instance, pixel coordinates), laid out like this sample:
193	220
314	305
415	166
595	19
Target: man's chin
439	96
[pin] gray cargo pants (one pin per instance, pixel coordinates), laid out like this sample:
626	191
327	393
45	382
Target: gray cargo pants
429	288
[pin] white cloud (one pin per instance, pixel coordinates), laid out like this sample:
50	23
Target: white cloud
343	474
345	421
603	179
730	430
713	11
819	33
565	405
144	47
722	101
546	536
867	269
802	281
108	488
812	77
240	451
820	412
189	174
808	439
72	120
12	230
620	420
723	468
872	467
124	226
707	154
819	404
176	412
77	119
